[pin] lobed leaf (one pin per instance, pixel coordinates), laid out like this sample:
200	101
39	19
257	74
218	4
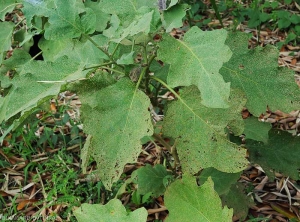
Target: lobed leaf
280	154
66	19
27	83
222	181
112	211
117	117
6	30
186	201
256	72
151	179
237	200
199	133
196	60
172	18
7	6
83	52
256	130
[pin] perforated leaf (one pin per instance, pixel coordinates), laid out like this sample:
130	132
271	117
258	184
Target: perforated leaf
196	60
199	133
26	83
256	130
186	201
256	72
112	211
152	179
6	30
280	154
117	118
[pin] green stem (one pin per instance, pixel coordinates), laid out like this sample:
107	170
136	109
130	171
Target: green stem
112	55
95	44
147	80
114	70
172	91
97	66
36	55
214	5
171	149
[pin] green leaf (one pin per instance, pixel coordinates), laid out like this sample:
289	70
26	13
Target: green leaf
85	154
18	58
172	18
280	154
295	19
141	24
254	18
284	19
186	201
119	7
27	83
257	130
63	18
238	200
83	52
126	59
6	30
112	211
199	134
116	122
64	21
7	6
196	60
222	181
172	3
102	18
151	179
256	72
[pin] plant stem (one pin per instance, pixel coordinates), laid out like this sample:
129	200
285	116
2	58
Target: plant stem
172	91
112	55
93	67
214	5
36	55
114	70
171	149
95	44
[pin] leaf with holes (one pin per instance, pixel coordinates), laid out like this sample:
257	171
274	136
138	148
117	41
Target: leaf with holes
199	133
122	112
256	72
196	60
38	80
